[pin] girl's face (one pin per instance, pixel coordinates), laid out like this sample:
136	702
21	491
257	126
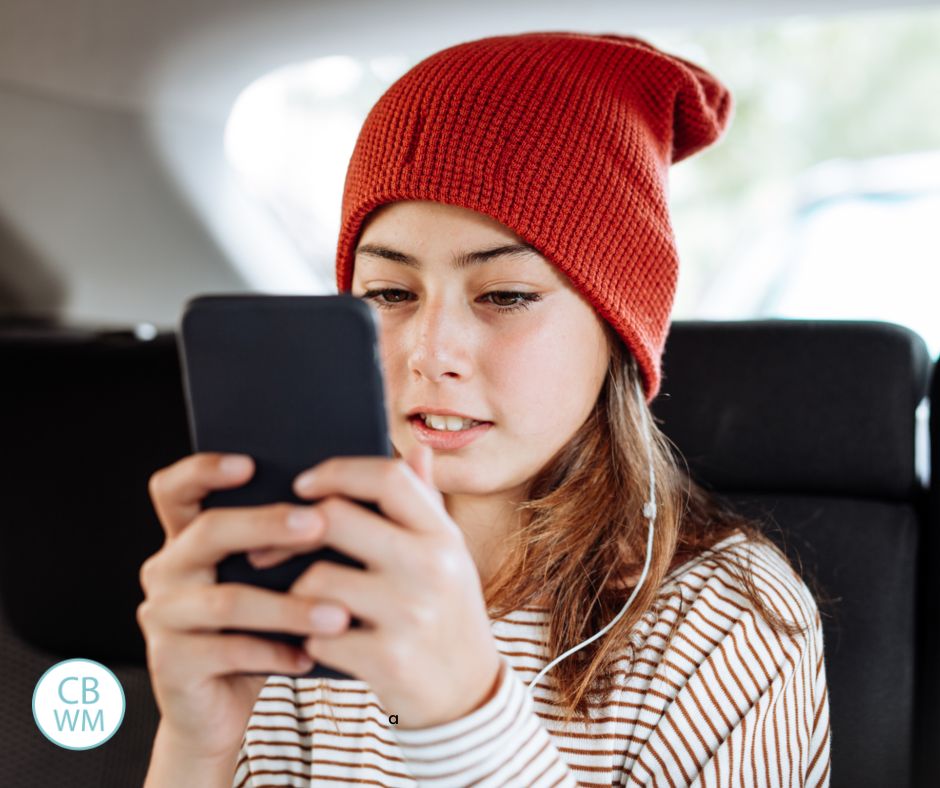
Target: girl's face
531	360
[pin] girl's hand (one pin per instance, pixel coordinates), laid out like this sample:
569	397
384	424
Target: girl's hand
205	705
425	647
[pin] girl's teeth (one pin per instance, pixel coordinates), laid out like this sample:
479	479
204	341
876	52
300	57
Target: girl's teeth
449	423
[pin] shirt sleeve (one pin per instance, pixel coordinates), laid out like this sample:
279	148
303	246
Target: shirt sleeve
242	778
500	745
749	705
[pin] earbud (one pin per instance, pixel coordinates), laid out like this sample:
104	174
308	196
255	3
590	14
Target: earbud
649	512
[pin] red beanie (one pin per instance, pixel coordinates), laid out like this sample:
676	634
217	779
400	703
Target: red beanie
564	138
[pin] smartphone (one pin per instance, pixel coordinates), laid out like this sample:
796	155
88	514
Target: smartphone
290	381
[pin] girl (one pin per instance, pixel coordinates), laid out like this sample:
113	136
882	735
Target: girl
548	598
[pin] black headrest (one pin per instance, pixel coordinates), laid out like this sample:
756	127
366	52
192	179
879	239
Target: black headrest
928	684
802	406
86	417
934	430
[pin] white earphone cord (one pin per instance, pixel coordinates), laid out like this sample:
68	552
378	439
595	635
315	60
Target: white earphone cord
649	512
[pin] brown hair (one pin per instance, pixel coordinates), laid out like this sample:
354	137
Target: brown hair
583	536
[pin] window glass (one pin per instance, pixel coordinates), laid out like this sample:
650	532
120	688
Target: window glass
821	201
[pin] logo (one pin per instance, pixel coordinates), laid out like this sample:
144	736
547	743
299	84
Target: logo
78	704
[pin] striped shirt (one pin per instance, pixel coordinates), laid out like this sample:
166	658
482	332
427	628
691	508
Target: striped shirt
726	702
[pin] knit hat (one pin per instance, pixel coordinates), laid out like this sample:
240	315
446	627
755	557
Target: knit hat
566	139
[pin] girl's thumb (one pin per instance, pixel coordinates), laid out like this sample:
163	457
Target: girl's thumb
420	459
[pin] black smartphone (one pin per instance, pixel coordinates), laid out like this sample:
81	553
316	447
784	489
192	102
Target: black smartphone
290	381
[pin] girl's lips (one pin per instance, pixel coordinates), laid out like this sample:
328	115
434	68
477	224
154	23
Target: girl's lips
443	440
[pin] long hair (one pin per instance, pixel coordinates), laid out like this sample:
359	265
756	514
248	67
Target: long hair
582	536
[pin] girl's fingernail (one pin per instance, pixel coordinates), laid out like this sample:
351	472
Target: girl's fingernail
304	481
304	662
235	464
326	618
304	518
255	556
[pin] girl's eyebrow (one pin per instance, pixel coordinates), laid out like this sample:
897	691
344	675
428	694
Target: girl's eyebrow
458	262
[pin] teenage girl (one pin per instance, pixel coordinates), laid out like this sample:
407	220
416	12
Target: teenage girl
548	598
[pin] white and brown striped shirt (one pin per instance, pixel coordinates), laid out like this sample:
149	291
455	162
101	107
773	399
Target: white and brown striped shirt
727	702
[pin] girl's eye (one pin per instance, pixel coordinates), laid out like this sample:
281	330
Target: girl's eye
523	303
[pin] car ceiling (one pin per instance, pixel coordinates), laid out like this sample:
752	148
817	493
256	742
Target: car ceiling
195	56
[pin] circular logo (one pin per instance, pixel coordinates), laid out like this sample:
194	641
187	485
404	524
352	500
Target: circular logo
78	704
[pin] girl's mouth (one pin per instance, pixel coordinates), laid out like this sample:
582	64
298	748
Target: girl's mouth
445	440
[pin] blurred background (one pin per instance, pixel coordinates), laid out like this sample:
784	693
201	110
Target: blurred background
152	151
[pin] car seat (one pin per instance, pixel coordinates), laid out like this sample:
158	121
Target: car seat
807	424
810	426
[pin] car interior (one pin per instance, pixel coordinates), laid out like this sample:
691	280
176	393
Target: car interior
108	112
